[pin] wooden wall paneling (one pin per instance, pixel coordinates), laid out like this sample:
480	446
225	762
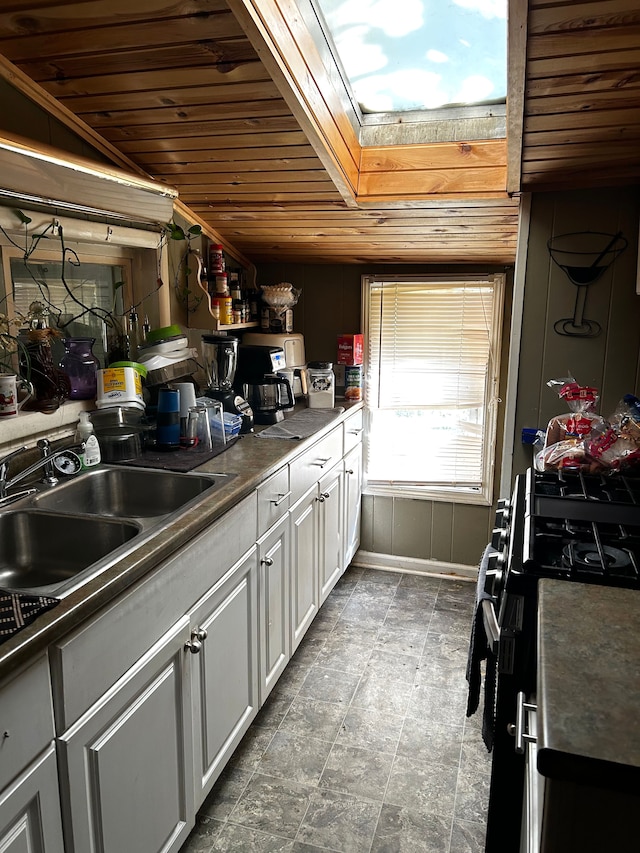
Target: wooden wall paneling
122	120
382	539
412	528
303	82
164	80
442	531
440	155
517	30
471	525
608	361
219	52
367	523
47	18
137	103
91	40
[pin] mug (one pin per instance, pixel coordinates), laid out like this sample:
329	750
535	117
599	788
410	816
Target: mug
9	405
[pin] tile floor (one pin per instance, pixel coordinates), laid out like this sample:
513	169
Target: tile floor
363	746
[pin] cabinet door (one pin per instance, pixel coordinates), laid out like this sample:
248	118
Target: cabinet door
352	500
30	810
330	534
304	565
128	762
224	637
274	609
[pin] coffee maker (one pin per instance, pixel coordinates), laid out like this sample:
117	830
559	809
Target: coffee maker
269	395
220	355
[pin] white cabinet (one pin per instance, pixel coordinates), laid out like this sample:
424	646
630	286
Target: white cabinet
352	502
30	809
224	651
274	610
29	799
304	565
330	529
127	763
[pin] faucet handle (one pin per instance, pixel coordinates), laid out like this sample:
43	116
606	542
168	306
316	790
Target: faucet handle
4	460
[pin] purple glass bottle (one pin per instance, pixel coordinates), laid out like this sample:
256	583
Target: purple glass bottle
81	366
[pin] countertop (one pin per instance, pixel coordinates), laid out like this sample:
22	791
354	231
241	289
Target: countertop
251	459
588	690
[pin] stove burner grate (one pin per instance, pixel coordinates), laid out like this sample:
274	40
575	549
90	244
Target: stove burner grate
598	559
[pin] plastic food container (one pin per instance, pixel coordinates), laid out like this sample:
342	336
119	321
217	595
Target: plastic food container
232	424
120	384
120	444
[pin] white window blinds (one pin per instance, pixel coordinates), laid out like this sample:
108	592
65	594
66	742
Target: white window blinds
431	372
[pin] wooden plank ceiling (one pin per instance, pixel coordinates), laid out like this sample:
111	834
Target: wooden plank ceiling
186	91
582	94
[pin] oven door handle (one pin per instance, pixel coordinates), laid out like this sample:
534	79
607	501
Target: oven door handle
491	627
518	730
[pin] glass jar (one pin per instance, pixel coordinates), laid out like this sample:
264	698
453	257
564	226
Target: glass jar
81	367
320	384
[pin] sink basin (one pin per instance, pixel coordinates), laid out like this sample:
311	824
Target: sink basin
44	550
128	492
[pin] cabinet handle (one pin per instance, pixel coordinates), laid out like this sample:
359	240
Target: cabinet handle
323	496
322	462
517	730
355	431
281	497
349	471
194	645
266	561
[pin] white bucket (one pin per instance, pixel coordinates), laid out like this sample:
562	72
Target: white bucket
119	386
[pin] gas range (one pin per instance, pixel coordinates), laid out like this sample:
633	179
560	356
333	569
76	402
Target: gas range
568	526
582	528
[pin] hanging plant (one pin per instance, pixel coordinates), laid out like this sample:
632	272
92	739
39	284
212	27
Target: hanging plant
185	295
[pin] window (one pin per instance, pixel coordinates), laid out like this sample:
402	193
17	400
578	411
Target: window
431	361
419	55
90	285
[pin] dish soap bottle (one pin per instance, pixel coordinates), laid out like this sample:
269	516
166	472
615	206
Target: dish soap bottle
90	456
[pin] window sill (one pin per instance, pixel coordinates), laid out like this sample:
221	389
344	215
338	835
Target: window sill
453	496
28	427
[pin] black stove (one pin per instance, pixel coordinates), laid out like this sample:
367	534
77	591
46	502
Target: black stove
567	526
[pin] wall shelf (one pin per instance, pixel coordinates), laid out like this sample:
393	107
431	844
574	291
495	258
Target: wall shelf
224	327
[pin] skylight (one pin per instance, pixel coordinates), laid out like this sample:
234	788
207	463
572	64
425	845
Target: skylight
406	55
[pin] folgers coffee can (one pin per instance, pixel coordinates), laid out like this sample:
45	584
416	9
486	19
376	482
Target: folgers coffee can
350	349
353	382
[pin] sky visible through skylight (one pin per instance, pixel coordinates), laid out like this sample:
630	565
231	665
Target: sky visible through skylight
405	55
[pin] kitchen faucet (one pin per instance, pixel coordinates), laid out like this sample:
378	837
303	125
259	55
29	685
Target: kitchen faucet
45	462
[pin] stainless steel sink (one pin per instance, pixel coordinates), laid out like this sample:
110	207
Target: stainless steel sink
128	492
43	551
55	541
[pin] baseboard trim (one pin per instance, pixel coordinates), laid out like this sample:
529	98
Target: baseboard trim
414	565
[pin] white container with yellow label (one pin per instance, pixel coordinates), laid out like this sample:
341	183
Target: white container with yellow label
120	385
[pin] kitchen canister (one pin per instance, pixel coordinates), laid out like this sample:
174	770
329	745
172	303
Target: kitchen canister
120	384
320	385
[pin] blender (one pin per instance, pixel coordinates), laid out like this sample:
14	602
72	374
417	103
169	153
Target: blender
220	354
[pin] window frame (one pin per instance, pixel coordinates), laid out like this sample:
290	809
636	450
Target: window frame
464	495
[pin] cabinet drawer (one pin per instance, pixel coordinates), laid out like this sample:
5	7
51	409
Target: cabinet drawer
273	499
26	719
353	430
88	661
314	462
